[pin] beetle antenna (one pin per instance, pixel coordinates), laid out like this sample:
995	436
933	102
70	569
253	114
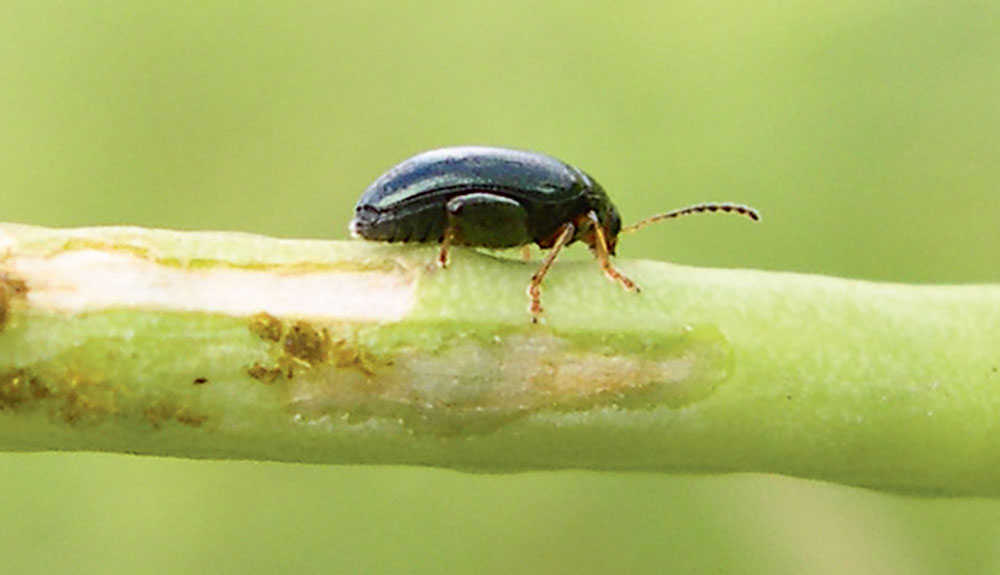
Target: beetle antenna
696	209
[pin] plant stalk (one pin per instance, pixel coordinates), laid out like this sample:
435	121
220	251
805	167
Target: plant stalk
228	345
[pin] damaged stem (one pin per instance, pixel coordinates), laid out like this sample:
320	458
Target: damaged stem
225	345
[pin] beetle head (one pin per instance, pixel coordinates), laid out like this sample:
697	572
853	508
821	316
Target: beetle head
612	224
609	223
608	220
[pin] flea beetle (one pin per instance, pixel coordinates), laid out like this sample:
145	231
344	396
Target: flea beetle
500	198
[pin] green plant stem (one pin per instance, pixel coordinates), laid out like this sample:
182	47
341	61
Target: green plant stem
224	345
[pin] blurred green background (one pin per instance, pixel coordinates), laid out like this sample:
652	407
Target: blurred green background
868	133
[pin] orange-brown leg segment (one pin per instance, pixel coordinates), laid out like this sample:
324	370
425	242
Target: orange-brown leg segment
604	258
526	253
449	236
535	286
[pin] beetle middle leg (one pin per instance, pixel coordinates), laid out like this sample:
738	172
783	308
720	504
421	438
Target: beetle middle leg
603	257
535	286
481	219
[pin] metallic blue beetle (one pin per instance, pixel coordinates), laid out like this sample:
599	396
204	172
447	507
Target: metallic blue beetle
500	198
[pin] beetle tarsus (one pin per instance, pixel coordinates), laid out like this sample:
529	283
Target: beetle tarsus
623	280
618	277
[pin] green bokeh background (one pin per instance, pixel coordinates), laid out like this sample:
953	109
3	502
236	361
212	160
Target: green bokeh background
867	132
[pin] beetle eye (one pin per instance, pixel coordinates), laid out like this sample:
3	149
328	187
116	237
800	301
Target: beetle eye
614	225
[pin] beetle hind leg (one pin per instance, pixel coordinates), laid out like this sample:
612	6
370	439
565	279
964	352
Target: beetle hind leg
604	257
446	240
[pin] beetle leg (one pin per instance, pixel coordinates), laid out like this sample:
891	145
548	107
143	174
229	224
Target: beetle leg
535	286
604	258
449	235
526	253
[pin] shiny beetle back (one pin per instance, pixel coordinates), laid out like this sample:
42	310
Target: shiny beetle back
407	202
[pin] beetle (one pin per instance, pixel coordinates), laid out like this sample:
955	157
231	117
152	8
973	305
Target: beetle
502	198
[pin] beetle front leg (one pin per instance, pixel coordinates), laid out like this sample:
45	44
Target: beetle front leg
535	286
604	258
